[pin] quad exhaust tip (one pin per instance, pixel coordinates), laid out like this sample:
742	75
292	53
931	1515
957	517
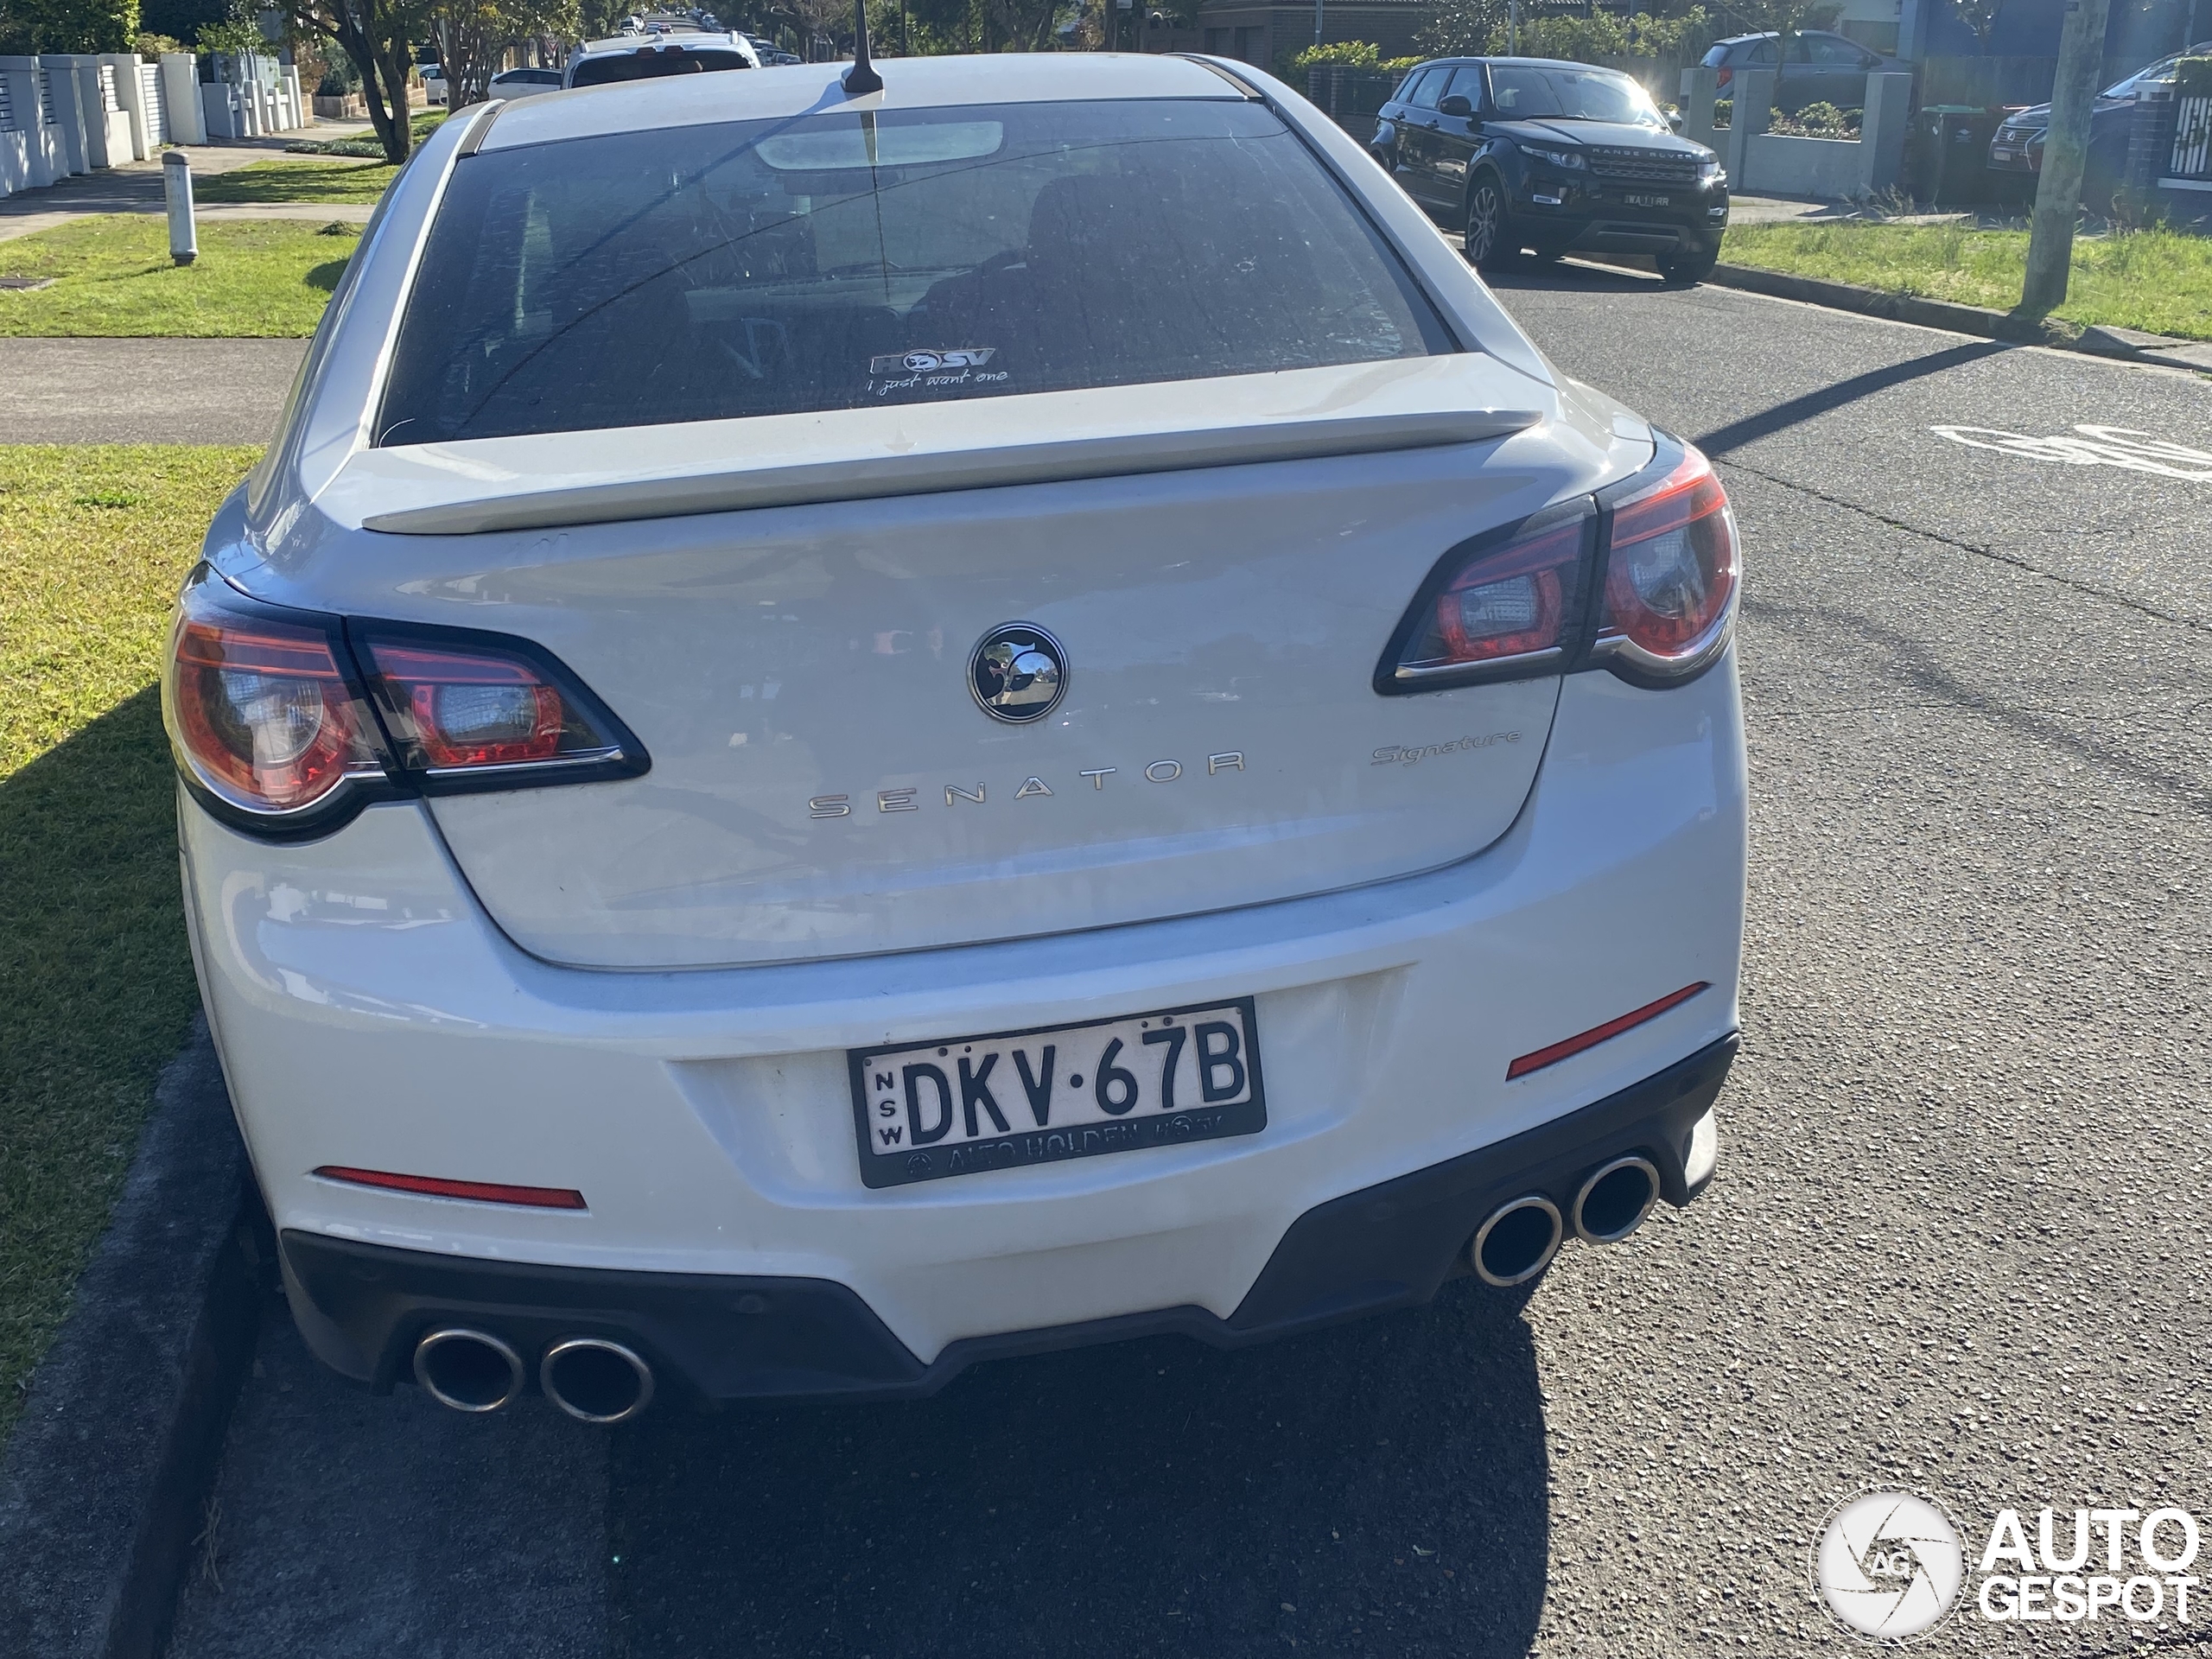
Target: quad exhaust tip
1517	1243
595	1380
1613	1202
469	1370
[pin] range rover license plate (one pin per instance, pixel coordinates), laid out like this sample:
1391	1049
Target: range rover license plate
1641	200
926	1110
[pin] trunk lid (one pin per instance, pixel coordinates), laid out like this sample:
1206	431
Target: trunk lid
824	781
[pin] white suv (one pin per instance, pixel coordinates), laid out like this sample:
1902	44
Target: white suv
847	734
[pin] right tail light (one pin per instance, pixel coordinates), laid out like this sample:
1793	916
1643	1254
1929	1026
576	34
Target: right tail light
1668	602
285	723
1641	580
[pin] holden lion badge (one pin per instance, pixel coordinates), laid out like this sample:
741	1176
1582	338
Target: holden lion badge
1018	672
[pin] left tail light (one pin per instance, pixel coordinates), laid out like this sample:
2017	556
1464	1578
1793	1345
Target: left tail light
277	728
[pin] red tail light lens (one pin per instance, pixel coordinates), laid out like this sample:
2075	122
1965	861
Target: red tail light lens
1669	598
260	710
452	708
1498	610
278	730
1724	77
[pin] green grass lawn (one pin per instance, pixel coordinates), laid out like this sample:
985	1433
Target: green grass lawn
94	971
296	181
423	124
2149	279
112	276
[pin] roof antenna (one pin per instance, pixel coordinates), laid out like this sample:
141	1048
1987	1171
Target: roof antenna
861	79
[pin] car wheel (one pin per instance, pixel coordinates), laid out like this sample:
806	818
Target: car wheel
1687	269
1489	240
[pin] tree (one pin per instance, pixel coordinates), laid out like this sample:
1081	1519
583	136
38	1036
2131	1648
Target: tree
471	38
30	26
376	34
1461	28
1979	15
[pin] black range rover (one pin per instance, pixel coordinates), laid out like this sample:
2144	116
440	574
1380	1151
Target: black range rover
1526	155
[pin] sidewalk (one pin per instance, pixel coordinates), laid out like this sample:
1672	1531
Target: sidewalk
145	390
137	188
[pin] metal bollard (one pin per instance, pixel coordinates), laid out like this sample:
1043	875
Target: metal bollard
177	186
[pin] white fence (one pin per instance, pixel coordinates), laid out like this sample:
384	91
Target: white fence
72	113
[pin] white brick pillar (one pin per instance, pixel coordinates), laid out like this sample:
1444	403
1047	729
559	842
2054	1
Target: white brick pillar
131	92
181	99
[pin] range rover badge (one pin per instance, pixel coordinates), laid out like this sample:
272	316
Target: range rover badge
1018	672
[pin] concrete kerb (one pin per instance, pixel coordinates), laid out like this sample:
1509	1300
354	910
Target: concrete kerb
101	1493
2126	344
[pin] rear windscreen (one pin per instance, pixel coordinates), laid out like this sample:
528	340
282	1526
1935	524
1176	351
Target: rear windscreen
842	260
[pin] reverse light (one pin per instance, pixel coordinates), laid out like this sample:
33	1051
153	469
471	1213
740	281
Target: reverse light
277	729
453	710
1497	610
1668	604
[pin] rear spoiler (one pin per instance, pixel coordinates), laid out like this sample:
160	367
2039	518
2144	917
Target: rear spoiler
542	481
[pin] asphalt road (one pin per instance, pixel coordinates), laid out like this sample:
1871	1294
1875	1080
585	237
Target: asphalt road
1959	1239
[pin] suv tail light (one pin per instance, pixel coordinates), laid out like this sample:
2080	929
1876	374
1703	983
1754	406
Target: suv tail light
277	729
1642	580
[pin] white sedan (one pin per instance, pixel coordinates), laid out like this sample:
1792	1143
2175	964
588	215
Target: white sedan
847	734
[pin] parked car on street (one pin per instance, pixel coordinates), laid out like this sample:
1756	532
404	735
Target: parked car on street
789	779
1815	67
2017	148
1529	156
525	83
435	90
630	57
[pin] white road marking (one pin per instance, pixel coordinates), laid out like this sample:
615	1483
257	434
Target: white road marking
2096	446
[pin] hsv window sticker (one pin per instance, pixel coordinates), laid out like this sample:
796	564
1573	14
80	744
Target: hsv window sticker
945	369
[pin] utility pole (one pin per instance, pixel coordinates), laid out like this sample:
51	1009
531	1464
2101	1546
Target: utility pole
2065	155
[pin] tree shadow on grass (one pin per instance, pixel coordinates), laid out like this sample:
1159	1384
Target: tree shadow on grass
1378	1489
325	274
97	980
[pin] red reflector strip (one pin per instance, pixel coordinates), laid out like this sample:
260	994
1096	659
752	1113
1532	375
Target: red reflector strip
544	1198
1597	1034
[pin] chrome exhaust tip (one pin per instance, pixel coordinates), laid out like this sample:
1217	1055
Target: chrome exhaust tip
1615	1200
469	1370
1517	1243
595	1380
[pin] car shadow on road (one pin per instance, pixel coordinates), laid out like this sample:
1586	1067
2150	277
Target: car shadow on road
1376	1488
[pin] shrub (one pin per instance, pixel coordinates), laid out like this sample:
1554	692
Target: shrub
1817	121
1338	54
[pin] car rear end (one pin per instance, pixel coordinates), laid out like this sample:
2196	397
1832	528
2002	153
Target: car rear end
1002	718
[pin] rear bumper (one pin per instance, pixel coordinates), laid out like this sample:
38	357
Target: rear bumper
749	1337
370	1015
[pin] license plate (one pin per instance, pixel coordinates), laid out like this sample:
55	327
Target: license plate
2000	154
1649	201
958	1105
